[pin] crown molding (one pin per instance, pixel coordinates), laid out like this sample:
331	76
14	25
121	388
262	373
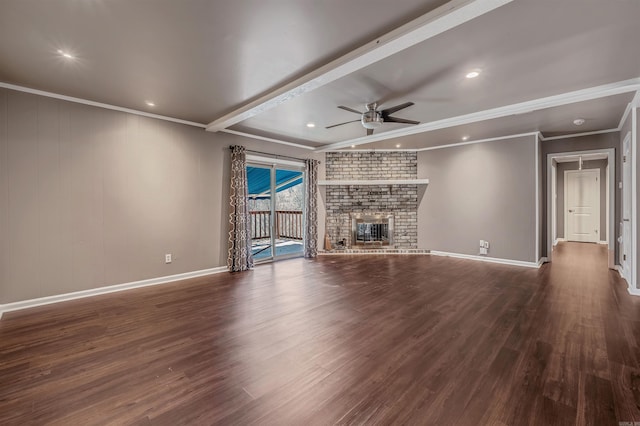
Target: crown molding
582	95
376	150
498	138
98	104
431	148
577	135
635	102
266	139
625	115
443	18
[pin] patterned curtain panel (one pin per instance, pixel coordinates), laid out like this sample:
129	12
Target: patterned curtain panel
240	258
311	200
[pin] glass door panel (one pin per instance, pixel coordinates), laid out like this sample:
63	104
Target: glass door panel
289	213
260	208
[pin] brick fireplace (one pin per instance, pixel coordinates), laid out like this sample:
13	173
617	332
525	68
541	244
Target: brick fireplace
396	201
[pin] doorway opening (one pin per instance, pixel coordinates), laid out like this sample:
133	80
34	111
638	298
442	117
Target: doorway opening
276	206
581	199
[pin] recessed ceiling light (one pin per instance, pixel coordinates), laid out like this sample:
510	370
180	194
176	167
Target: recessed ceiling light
464	138
353	146
66	54
578	121
473	73
397	145
311	125
149	103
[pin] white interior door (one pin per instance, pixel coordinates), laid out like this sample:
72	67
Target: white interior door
582	202
625	247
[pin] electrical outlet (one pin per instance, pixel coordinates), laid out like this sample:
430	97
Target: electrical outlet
483	250
481	243
167	258
486	245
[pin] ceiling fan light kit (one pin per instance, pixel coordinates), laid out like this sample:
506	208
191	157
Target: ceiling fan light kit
372	119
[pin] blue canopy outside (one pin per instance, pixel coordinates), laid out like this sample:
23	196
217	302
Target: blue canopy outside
259	181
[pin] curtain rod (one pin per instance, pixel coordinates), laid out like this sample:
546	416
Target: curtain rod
273	155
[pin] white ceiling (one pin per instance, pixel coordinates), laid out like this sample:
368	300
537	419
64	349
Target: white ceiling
198	60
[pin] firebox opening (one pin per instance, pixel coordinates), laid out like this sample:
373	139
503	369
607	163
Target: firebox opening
372	229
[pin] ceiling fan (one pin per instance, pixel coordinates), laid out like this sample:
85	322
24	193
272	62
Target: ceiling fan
371	119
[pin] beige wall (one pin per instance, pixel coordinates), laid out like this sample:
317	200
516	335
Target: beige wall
91	197
480	191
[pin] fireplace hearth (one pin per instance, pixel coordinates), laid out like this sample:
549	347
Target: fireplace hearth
372	229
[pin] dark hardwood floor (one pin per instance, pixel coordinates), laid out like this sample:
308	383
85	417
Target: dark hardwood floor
348	340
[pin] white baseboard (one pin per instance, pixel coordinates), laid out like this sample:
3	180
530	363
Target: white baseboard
630	290
633	291
620	271
542	261
488	259
31	303
558	240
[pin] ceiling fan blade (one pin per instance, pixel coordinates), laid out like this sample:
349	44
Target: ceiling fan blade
399	120
349	109
396	108
369	132
336	125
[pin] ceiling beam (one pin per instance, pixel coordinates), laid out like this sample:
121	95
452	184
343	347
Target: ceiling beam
591	93
444	18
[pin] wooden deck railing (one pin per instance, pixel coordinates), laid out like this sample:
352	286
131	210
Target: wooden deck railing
288	224
260	224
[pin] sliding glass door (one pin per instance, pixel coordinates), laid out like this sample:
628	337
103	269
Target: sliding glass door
260	207
276	203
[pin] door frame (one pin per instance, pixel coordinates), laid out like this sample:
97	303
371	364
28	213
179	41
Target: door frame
552	181
554	208
566	199
282	164
627	274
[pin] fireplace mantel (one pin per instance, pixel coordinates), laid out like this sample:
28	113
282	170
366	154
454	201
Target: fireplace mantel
375	182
